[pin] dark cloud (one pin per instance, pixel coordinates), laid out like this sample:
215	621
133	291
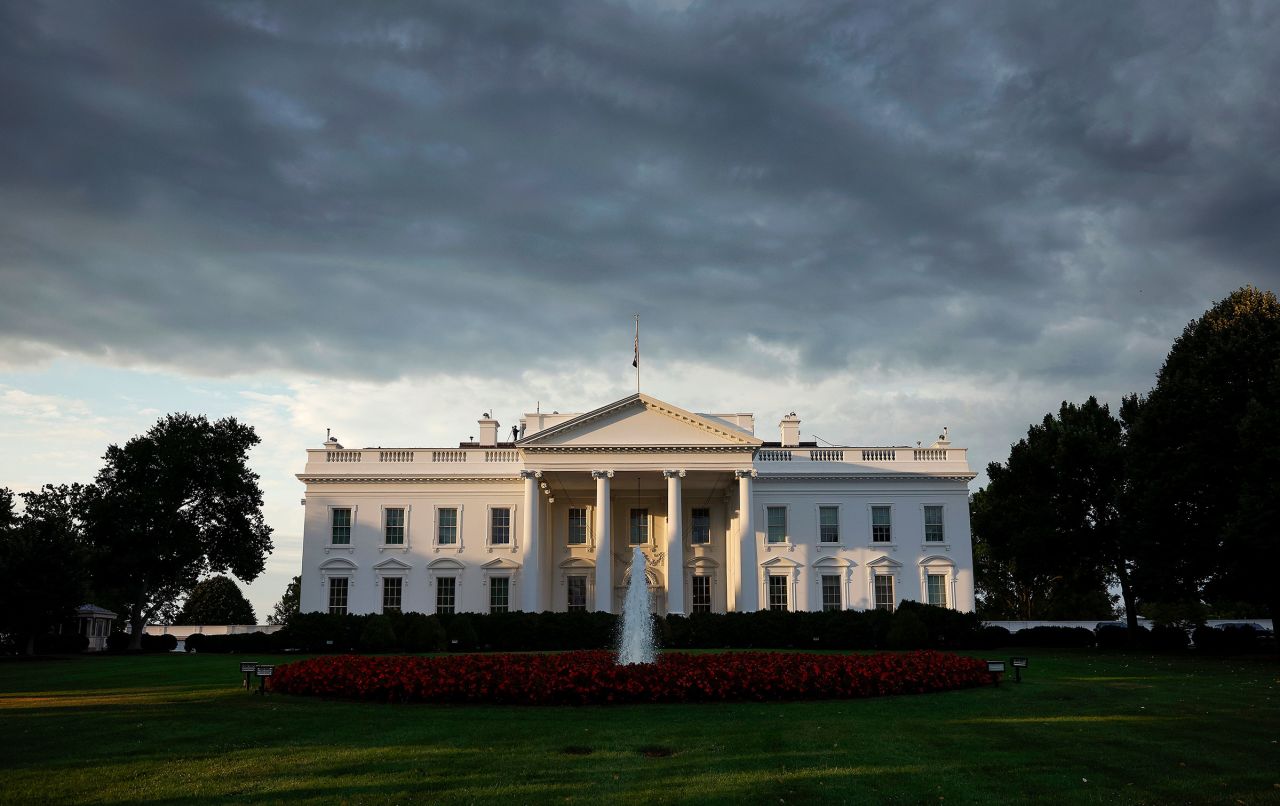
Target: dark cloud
386	189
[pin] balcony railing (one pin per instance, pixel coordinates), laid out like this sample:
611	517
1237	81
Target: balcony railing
863	455
419	456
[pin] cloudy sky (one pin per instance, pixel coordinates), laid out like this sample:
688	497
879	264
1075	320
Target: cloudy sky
386	219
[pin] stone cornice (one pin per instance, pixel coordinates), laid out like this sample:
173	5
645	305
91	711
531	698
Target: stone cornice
867	476
638	448
406	479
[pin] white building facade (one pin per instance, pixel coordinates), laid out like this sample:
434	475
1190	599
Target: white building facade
548	521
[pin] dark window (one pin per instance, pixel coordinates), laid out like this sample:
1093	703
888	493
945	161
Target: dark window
577	596
701	526
701	594
338	595
777	592
831	592
446	591
392	589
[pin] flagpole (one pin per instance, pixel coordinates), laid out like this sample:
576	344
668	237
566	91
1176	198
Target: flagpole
636	362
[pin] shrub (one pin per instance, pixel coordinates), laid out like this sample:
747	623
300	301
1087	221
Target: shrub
423	634
62	644
1113	636
377	635
1053	637
1168	638
907	631
159	643
462	636
993	637
194	642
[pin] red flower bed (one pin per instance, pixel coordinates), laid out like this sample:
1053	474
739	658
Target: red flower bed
584	678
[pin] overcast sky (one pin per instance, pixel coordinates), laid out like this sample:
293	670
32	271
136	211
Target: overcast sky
386	219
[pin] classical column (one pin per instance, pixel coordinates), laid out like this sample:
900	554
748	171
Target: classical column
675	543
749	576
531	590
604	543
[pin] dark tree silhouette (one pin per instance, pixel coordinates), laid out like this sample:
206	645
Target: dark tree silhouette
217	600
176	504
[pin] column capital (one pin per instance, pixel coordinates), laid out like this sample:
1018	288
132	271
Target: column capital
745	474
530	474
673	474
601	474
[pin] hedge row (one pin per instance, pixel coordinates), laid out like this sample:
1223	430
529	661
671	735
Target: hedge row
912	626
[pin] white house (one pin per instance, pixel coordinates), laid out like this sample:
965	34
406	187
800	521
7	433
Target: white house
548	521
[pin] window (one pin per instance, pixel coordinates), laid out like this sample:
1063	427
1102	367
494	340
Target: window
577	596
881	524
447	526
499	594
338	595
577	526
701	594
446	594
933	532
777	592
777	524
701	526
937	589
829	524
639	527
831	592
392	588
500	526
884	592
341	527
393	526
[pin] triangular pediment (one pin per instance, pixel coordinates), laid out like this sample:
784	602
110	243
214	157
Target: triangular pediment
640	420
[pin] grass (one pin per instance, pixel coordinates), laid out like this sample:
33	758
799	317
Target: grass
1083	727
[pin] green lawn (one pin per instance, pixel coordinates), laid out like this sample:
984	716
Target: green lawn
1083	727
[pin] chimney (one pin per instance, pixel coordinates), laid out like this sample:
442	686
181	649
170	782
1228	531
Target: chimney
488	431
790	426
331	442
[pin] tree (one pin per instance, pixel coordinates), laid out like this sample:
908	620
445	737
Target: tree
289	604
1048	534
217	600
176	504
1203	445
42	560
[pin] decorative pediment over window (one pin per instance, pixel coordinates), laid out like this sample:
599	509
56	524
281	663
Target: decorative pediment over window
577	564
780	563
884	562
391	564
702	564
501	564
445	564
640	421
834	562
936	560
338	565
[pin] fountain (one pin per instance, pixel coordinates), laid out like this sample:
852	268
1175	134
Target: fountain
636	643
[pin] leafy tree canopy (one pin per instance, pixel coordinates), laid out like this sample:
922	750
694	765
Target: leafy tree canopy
176	504
217	600
289	604
1206	486
42	559
1047	537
